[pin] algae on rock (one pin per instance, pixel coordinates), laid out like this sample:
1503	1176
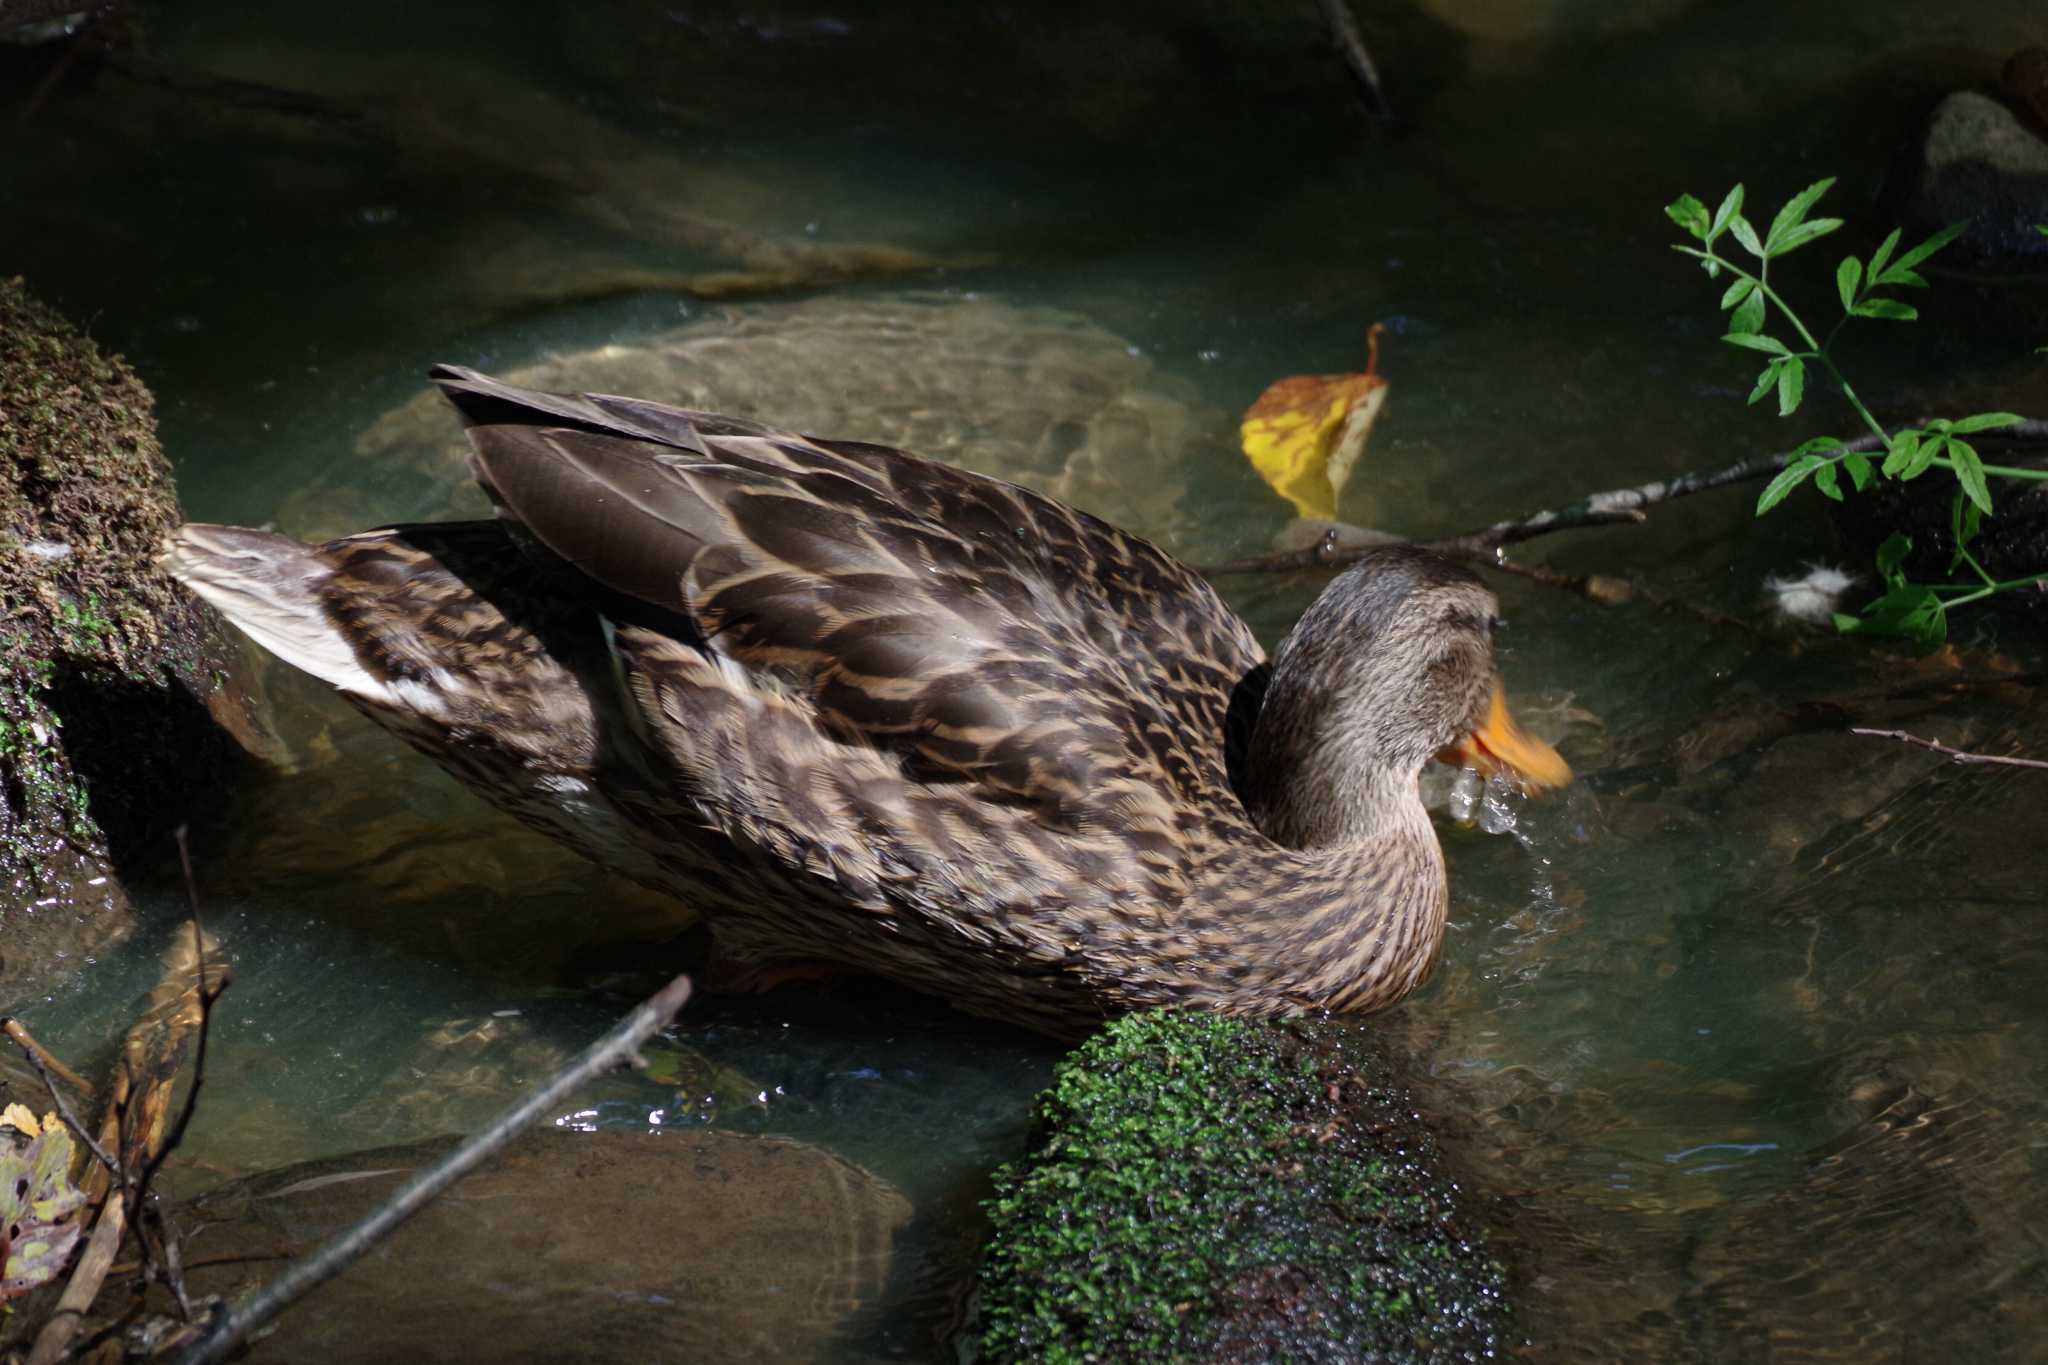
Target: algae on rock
103	663
1208	1188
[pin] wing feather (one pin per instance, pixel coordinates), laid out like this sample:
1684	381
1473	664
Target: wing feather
976	630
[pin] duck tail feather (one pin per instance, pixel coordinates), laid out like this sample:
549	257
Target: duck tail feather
269	586
486	402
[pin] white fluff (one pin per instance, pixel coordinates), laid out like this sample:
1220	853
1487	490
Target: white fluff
1811	598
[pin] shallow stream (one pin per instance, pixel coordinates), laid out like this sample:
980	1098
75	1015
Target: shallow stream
1740	1045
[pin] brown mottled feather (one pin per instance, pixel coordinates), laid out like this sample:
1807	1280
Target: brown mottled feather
854	705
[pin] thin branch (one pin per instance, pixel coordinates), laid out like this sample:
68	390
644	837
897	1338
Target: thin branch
1615	505
43	1062
53	1343
1954	755
26	1041
1608	590
207	997
1344	32
232	1326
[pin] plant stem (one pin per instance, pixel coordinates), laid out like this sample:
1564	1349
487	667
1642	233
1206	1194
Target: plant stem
2002	470
1978	594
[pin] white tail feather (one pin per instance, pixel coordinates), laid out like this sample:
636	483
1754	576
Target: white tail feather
268	584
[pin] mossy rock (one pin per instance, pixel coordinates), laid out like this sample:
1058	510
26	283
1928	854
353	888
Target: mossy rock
1206	1188
105	667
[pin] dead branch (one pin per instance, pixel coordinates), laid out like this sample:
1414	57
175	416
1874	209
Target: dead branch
1608	590
206	997
1953	755
232	1326
37	1052
1615	505
39	1059
53	1343
132	1140
1344	33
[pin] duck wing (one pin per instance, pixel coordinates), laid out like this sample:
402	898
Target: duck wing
977	630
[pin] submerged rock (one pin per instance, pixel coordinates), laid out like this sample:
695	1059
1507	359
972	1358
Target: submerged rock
593	1247
1209	1188
107	672
1977	161
1037	395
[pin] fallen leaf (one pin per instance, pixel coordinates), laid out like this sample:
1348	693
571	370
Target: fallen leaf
18	1117
1306	432
38	1212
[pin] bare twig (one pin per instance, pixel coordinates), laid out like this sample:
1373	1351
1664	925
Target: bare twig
53	1343
37	1059
1615	505
207	997
1954	755
232	1326
1344	32
1607	590
26	1042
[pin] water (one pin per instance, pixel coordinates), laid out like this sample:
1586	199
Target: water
1740	1039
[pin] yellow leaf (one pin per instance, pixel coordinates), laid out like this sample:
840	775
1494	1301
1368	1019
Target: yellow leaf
17	1117
1305	433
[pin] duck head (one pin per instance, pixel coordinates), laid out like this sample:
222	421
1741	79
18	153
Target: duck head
1390	667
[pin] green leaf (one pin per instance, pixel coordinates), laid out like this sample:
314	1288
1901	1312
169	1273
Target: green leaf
1964	519
1911	279
1738	290
1905	448
1791	387
1985	421
1922	252
1793	215
1827	482
1848	275
1749	314
1690	214
1891	555
1885	308
1746	235
1730	206
1911	611
1766	380
1756	341
1789	478
1969	472
1882	254
1799	236
1922	461
1859	469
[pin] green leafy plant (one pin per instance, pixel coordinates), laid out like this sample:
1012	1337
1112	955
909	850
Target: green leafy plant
1915	611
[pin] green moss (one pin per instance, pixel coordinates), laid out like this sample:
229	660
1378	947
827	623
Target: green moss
1210	1188
89	626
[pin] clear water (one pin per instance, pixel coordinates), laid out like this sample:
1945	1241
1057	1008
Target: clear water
1740	1042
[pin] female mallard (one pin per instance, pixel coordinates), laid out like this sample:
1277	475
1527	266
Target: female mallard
863	709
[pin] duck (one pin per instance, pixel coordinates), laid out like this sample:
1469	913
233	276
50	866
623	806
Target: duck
867	712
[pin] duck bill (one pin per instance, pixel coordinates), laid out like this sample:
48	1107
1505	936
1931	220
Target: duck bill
1502	745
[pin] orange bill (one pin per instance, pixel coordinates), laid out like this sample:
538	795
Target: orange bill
1502	745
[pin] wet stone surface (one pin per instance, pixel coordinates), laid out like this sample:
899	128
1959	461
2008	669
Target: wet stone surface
569	1247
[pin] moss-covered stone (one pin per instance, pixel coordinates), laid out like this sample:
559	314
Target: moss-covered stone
1207	1188
103	662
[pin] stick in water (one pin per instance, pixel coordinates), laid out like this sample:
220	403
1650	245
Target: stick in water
1954	755
232	1326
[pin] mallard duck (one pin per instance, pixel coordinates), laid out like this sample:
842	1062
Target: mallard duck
862	709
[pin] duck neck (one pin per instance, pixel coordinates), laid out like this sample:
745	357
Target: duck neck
1321	807
1324	773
